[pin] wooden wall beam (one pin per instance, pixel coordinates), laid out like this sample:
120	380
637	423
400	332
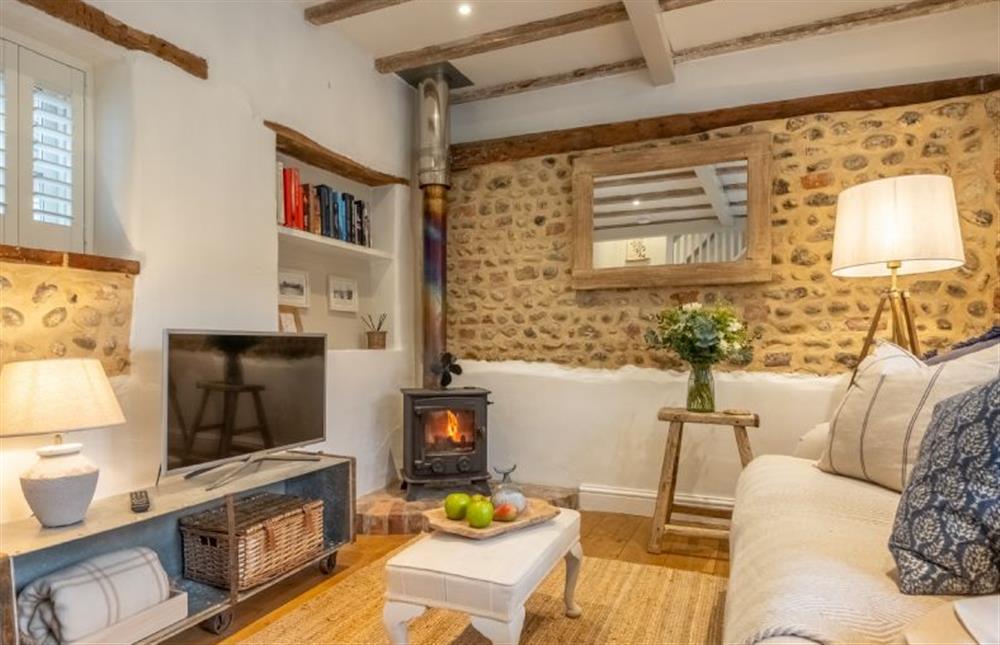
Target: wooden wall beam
295	144
90	18
333	10
879	15
475	153
26	255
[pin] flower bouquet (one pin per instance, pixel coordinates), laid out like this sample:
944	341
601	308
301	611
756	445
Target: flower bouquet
702	336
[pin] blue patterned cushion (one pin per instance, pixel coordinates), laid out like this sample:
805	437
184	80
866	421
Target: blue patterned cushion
946	538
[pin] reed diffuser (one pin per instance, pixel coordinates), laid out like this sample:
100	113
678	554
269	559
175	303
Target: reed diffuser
376	335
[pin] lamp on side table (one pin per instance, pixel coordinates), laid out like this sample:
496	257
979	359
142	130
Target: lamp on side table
53	397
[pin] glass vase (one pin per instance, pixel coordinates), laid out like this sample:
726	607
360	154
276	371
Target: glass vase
701	389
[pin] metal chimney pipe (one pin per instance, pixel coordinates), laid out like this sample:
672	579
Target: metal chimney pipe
434	175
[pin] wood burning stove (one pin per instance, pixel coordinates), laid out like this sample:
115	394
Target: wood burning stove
445	440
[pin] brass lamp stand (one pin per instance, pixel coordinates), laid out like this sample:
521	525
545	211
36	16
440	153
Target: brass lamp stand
904	331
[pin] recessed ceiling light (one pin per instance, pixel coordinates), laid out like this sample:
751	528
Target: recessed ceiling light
635	202
643	219
464	9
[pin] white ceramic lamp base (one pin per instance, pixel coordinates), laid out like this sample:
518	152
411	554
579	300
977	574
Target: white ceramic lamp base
60	485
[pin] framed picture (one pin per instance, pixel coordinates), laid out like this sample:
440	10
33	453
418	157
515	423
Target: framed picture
293	288
289	321
342	293
635	251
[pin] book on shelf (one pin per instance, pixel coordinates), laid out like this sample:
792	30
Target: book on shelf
321	210
280	179
315	211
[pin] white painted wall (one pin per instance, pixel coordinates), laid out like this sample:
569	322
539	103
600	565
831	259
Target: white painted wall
185	184
944	45
598	429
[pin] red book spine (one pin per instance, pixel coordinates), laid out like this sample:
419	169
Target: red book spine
306	207
288	178
297	199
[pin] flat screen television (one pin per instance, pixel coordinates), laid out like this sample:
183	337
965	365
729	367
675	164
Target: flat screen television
231	395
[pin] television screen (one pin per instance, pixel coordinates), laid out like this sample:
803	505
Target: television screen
231	394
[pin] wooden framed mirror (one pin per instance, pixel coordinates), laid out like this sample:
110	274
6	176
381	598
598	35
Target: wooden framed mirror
689	214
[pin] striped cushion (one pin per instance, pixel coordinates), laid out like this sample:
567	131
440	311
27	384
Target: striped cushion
876	431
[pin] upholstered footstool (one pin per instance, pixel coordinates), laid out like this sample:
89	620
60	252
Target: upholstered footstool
487	579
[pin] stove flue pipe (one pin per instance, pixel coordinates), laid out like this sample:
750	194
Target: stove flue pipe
434	175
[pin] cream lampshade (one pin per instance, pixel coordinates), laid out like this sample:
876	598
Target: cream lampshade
53	397
897	226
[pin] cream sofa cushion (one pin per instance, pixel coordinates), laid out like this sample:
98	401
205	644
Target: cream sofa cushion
876	432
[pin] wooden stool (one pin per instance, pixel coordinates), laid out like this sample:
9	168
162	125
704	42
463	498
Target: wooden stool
677	417
227	426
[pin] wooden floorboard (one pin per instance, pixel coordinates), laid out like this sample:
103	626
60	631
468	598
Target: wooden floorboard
614	536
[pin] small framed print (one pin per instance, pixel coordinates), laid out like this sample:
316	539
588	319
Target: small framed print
635	251
289	320
342	293
293	288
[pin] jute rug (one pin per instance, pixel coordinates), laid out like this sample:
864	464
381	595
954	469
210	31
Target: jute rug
623	603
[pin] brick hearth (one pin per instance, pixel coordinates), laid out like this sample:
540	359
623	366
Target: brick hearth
386	512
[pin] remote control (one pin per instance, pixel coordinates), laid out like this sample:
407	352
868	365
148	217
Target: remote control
139	501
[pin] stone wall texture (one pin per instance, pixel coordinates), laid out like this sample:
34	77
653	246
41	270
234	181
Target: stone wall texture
54	312
510	227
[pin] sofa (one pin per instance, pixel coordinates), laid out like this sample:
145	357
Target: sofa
809	558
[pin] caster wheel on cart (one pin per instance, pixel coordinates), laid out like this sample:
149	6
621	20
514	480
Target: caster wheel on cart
219	623
328	564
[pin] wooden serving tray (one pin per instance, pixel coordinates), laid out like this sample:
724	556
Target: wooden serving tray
536	512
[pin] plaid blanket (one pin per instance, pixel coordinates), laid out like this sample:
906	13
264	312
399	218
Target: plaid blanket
74	602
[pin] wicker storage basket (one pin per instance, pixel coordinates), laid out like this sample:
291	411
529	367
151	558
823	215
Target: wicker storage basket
274	534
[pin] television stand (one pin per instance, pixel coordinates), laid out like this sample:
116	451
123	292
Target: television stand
247	463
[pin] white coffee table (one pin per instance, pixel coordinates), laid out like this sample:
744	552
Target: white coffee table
488	579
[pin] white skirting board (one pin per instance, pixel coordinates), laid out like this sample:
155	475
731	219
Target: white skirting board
147	622
639	501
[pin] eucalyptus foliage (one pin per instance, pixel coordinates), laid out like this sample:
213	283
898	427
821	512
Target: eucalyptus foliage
702	335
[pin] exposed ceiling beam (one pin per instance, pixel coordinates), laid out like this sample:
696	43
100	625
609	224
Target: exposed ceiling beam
613	182
648	197
605	135
877	16
654	211
333	10
826	26
516	35
647	25
529	32
552	80
90	18
715	192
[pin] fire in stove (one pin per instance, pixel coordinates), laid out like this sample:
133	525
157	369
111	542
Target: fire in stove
450	431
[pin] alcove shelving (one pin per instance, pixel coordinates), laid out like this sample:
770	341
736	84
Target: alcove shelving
374	267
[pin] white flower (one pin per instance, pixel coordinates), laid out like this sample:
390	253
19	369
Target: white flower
735	326
737	347
724	346
692	306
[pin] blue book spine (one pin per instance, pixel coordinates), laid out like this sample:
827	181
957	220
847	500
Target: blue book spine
334	212
347	204
324	202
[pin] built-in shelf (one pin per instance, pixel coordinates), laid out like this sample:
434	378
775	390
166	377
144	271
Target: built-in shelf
320	244
295	144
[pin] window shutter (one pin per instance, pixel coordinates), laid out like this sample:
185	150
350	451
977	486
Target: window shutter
52	157
3	144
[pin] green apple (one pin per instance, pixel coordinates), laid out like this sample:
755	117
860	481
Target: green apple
478	498
455	505
480	514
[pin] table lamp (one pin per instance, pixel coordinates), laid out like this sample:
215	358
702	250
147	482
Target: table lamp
53	397
893	227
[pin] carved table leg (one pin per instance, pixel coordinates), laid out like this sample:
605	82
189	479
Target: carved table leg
395	615
573	558
499	632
